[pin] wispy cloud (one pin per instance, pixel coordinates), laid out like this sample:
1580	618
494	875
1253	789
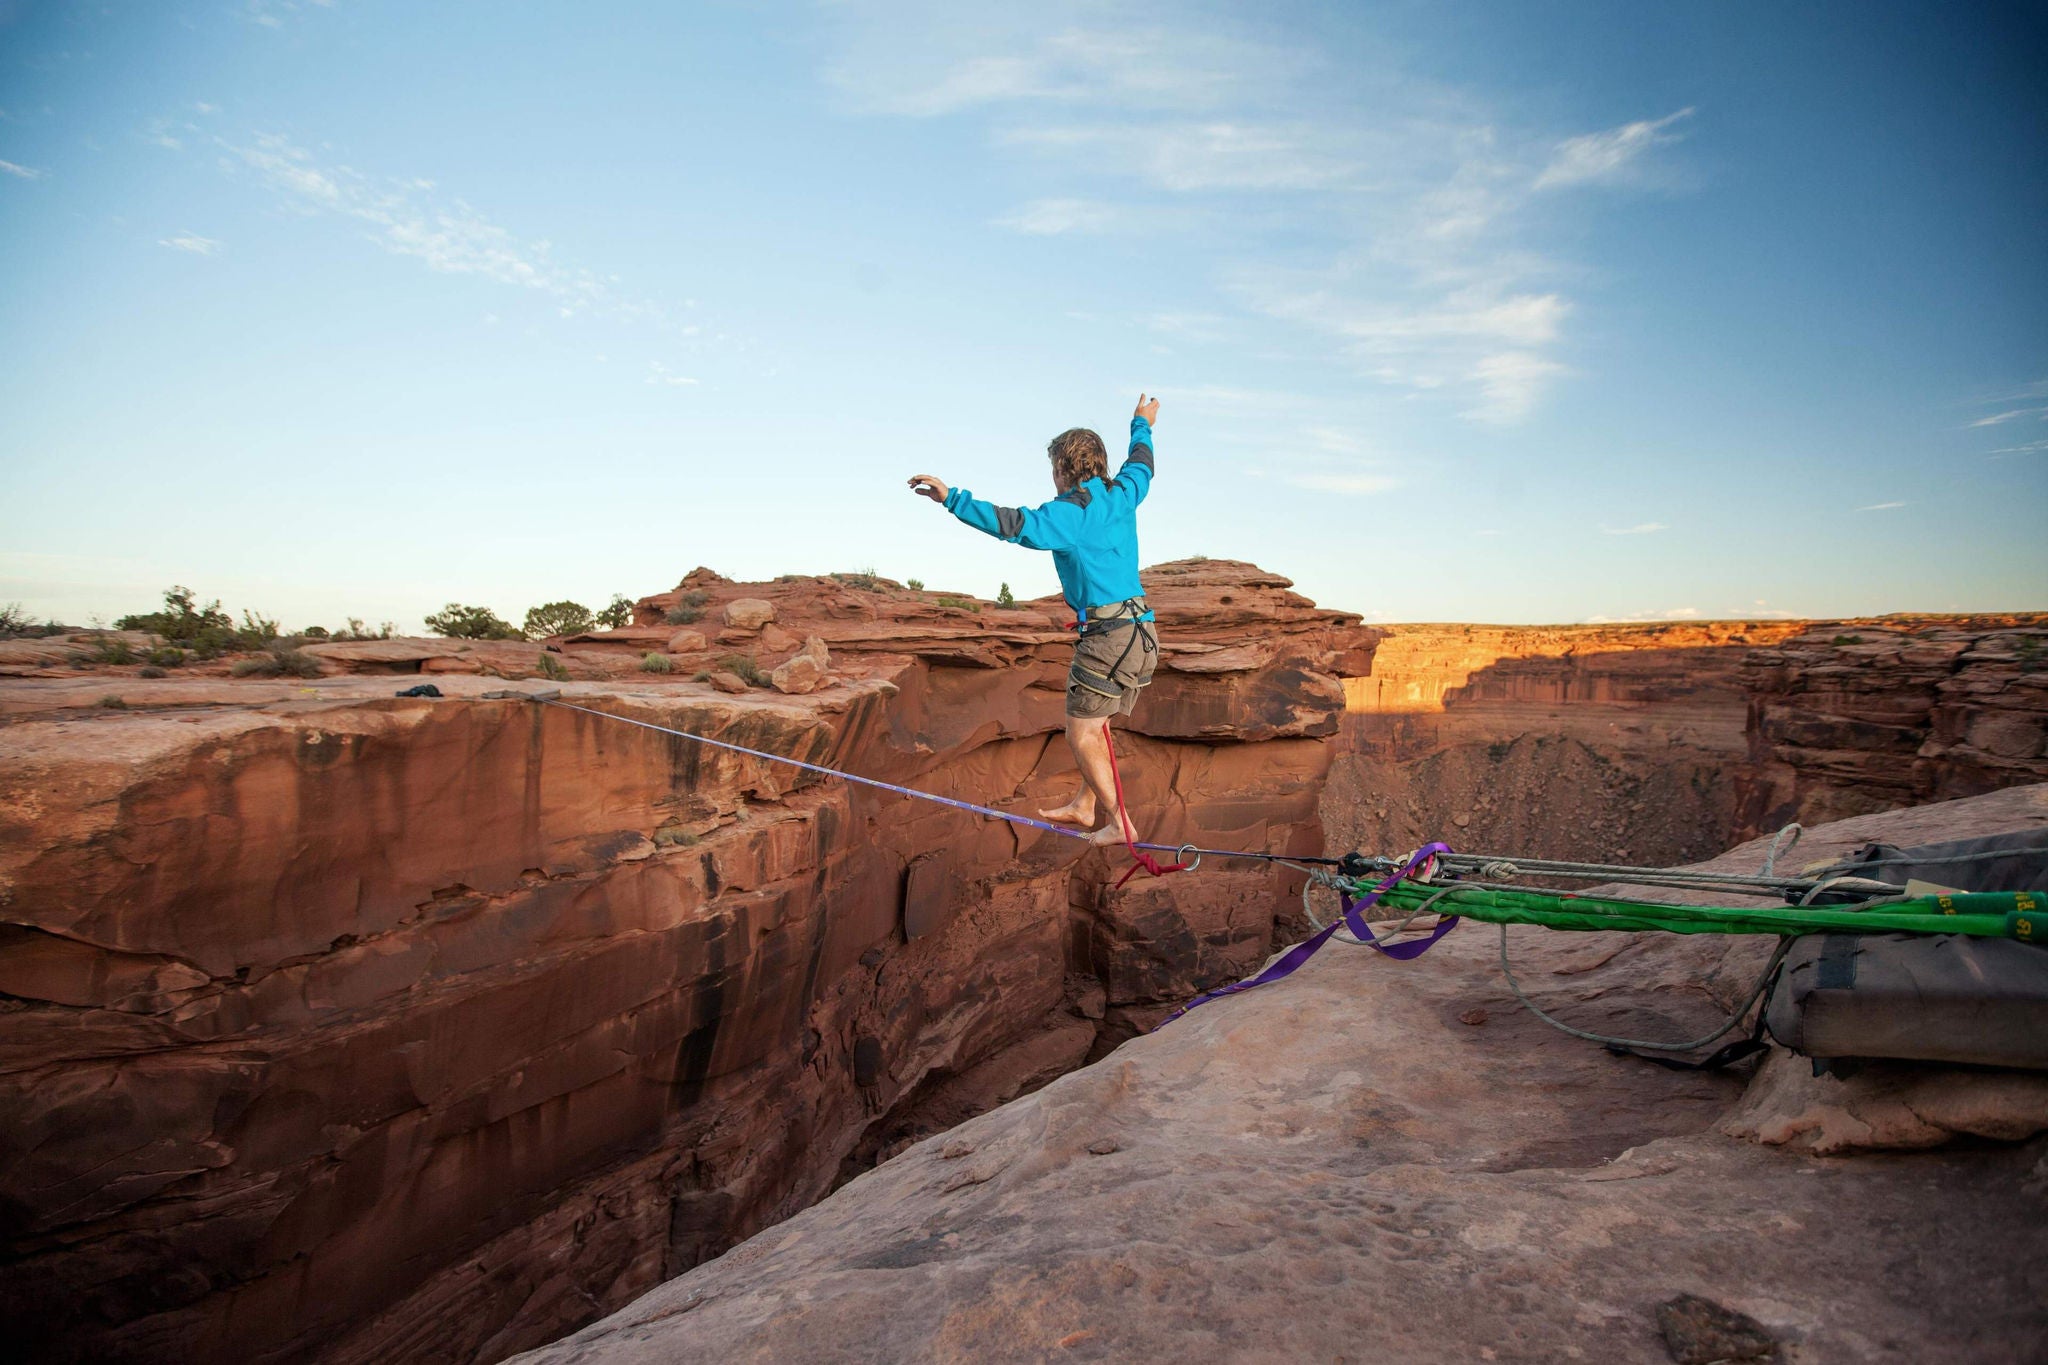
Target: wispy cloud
1881	507
2030	448
1639	529
1351	485
658	373
1051	217
20	172
444	234
1606	157
2011	415
192	242
1668	614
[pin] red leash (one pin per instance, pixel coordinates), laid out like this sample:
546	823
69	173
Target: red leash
1141	859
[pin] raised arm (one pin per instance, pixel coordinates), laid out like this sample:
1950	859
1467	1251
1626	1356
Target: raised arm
1136	474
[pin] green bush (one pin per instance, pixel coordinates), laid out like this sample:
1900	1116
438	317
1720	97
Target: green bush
15	624
1004	597
914	584
283	660
151	671
458	622
166	656
113	703
113	651
961	603
1848	639
356	630
689	608
654	663
746	668
206	630
618	614
866	579
558	618
553	668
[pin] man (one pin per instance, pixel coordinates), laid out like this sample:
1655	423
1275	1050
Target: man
1091	528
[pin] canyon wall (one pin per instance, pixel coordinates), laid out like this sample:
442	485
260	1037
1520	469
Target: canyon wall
1660	743
340	1026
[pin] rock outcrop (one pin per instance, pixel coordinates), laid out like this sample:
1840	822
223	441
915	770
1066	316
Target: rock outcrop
346	1027
1393	1162
1659	743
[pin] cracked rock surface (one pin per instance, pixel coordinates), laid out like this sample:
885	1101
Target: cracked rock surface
1346	1166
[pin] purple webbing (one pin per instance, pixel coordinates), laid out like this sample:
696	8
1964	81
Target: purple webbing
1351	919
1064	831
1015	819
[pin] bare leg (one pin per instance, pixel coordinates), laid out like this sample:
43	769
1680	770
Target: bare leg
1088	737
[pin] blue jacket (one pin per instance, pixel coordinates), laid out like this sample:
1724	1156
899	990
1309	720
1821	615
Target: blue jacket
1091	529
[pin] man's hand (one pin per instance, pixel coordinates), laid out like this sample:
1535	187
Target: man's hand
1148	408
934	487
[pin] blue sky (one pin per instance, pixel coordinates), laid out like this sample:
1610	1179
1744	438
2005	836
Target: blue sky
1513	312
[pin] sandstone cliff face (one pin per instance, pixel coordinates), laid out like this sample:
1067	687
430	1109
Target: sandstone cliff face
1857	716
1393	1162
1656	744
342	1027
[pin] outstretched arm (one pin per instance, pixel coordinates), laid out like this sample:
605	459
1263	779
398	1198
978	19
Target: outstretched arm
1136	474
1050	527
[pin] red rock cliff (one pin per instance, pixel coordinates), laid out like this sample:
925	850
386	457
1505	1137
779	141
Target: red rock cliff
1661	743
351	1028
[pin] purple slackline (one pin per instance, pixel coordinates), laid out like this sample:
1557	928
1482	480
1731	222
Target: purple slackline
1351	919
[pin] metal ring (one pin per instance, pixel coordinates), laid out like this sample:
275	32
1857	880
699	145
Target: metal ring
1187	866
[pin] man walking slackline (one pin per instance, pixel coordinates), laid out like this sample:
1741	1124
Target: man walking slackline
1091	528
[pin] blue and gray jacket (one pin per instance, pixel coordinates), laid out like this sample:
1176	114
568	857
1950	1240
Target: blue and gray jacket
1091	529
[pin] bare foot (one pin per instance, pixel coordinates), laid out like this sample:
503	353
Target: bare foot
1079	811
1109	835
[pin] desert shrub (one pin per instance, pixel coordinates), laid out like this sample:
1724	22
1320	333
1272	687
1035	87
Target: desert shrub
689	608
1848	639
746	668
315	633
283	660
113	703
206	630
701	675
113	651
151	671
256	631
1004	597
655	663
961	602
356	630
558	618
15	624
866	579
619	613
552	668
166	656
458	622
914	584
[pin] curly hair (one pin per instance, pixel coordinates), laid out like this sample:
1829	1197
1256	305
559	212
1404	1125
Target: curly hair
1077	456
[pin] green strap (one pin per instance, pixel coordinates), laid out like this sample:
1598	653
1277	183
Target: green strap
1978	914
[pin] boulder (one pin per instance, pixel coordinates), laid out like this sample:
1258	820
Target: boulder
802	673
749	613
775	639
729	682
687	642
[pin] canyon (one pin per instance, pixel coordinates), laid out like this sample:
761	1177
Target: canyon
343	1026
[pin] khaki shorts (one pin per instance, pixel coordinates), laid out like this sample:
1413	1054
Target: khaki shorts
1109	668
